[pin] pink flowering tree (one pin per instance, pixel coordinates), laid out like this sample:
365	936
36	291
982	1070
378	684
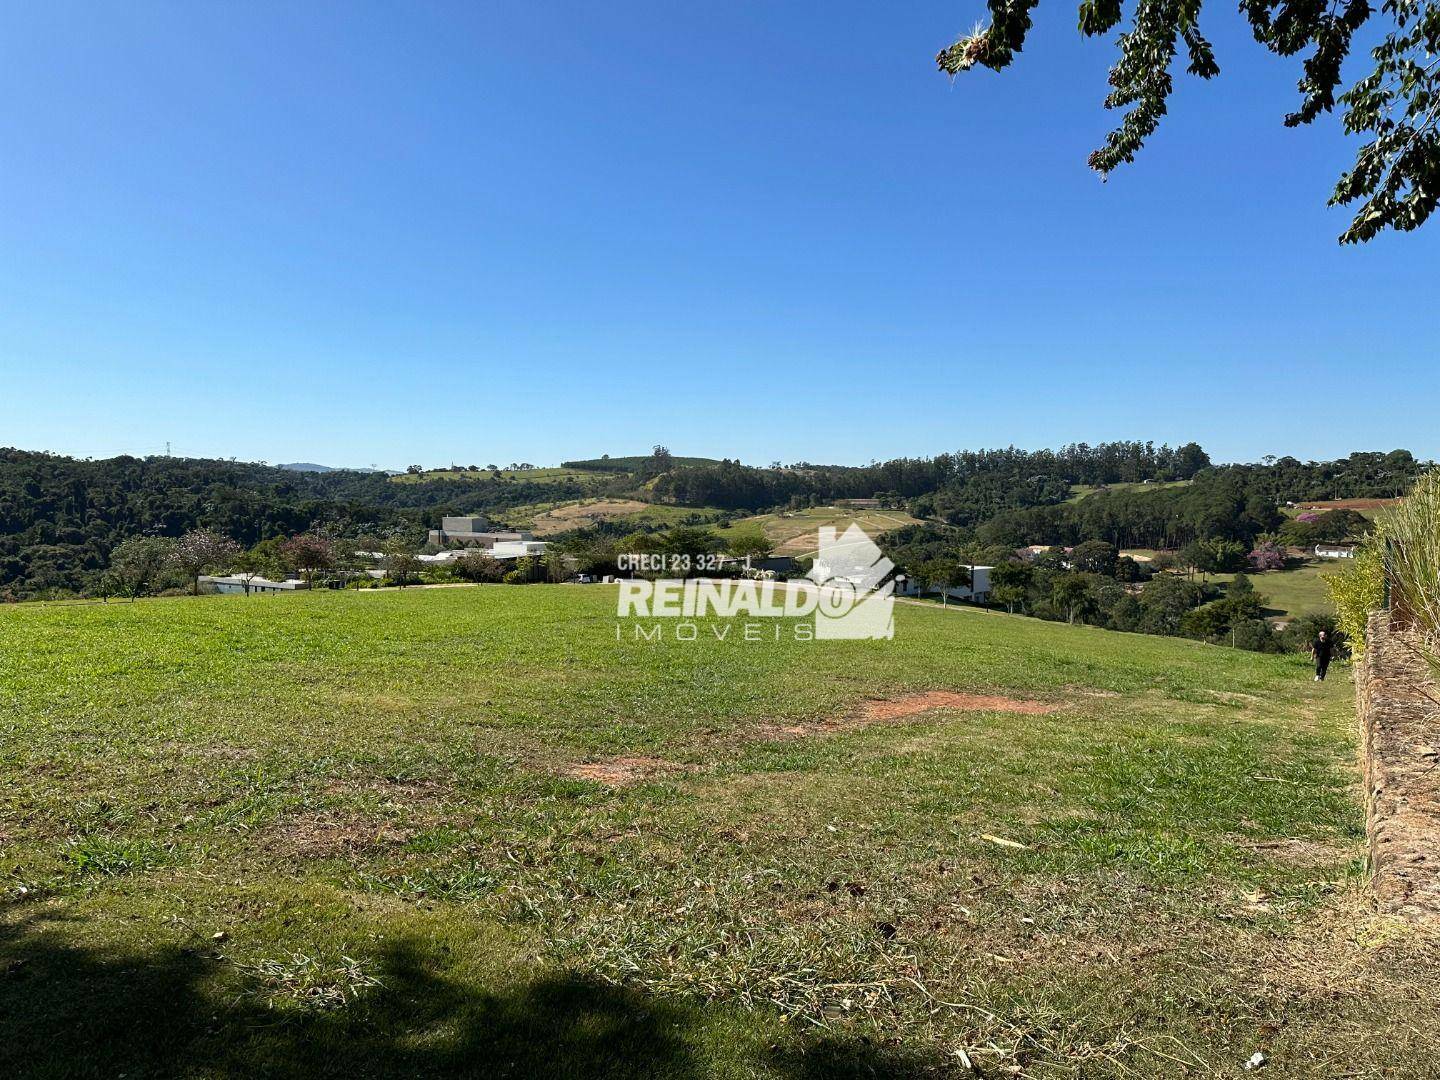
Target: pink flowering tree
1268	555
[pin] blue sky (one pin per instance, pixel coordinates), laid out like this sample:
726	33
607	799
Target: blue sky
435	233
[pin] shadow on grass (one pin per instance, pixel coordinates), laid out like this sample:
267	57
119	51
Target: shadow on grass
67	1011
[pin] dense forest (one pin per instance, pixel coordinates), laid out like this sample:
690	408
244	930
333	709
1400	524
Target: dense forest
61	517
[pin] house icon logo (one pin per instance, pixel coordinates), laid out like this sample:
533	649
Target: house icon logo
857	592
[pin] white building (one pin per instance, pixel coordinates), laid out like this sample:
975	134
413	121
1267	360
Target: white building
240	583
472	532
978	591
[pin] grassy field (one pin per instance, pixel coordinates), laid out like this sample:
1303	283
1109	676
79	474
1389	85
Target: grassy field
546	519
1288	593
382	834
1081	491
793	531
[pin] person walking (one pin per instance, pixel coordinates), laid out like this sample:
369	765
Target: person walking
1322	648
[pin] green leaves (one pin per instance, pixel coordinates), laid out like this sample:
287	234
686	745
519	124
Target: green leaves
1396	176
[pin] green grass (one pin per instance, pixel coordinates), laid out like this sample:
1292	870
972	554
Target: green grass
337	834
1082	491
1294	592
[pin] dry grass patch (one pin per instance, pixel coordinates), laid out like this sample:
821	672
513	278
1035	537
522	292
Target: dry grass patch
329	835
624	771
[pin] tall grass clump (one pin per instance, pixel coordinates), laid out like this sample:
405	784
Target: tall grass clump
1413	561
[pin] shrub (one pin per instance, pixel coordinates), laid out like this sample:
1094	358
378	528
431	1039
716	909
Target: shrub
1358	589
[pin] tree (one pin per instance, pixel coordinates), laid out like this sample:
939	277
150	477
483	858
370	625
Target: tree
263	560
1396	106
1226	556
557	565
402	566
1069	592
1010	584
658	463
1195	557
1095	557
307	555
478	566
1268	555
137	565
201	550
1128	569
1342	524
750	544
685	546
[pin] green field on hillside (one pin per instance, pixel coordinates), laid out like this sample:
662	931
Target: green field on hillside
1083	491
366	834
1292	592
794	531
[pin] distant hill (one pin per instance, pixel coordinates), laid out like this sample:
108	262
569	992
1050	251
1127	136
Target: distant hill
310	466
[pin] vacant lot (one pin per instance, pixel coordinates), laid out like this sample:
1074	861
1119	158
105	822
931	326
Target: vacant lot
546	519
467	832
793	532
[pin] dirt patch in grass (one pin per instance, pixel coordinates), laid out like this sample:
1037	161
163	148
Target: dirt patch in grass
320	836
624	771
894	710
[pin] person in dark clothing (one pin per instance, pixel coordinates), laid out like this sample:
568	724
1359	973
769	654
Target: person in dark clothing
1322	648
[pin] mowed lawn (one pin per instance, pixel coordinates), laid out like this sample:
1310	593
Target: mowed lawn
355	835
1291	593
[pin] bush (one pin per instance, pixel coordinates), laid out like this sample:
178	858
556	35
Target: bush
1357	589
1257	635
516	577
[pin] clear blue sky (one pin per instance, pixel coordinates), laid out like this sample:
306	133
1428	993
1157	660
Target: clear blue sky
473	232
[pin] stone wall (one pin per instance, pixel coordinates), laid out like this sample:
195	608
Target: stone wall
1399	709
